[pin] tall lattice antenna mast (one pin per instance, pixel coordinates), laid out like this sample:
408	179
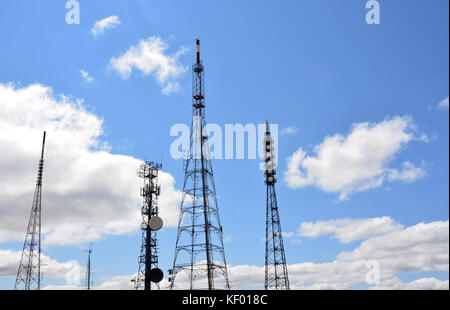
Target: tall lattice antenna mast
199	251
151	223
29	272
88	281
276	274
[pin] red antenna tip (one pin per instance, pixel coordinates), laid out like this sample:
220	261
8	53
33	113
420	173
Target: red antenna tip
198	51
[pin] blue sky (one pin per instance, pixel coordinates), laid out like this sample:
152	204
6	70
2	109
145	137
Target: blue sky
315	66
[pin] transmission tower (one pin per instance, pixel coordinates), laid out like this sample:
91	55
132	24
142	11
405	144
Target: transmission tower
29	272
88	281
199	251
276	274
151	223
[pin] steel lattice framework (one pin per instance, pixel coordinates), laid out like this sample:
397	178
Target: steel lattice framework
29	272
88	281
276	273
148	258
199	252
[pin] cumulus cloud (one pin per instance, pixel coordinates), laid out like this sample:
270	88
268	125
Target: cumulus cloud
349	230
422	247
419	284
418	248
251	277
88	192
443	105
356	162
9	263
118	283
106	23
397	249
409	173
150	57
86	77
170	87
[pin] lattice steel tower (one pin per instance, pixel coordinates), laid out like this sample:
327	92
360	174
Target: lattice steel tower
148	259
88	281
29	272
276	274
199	251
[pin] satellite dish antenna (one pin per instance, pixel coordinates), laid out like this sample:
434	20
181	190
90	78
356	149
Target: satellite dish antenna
155	223
156	275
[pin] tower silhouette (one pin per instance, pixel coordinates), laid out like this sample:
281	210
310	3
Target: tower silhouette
29	272
199	251
276	274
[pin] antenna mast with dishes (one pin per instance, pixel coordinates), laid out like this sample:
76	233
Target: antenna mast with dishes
151	223
199	251
276	274
29	272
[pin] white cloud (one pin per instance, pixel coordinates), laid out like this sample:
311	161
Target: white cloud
62	287
348	230
246	277
409	173
117	283
422	247
291	130
398	250
171	87
113	283
106	23
150	57
322	287
443	105
9	264
86	77
419	248
419	284
357	162
87	192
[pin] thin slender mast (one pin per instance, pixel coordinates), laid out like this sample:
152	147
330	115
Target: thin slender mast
276	273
